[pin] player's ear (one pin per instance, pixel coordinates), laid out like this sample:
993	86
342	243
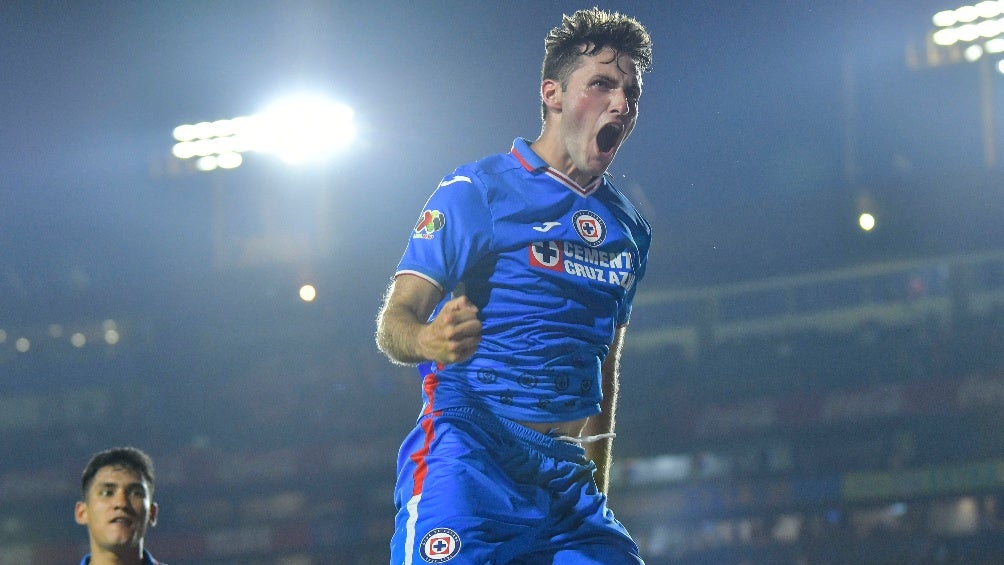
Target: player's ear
80	513
550	94
152	517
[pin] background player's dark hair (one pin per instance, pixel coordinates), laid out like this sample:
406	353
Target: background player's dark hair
587	32
122	457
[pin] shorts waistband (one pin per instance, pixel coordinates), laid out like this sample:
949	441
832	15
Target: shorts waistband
550	446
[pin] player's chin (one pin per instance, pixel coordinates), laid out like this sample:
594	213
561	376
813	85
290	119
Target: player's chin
600	163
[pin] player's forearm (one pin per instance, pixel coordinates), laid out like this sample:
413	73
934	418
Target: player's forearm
601	452
397	336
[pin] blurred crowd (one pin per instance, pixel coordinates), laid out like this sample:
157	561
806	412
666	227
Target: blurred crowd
870	443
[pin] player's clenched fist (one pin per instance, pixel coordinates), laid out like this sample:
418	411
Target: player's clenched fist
454	334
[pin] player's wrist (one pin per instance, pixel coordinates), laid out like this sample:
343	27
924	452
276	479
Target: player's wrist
421	347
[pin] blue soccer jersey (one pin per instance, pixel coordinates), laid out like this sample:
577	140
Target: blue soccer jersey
552	267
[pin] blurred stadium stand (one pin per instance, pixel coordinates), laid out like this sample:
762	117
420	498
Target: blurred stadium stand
834	418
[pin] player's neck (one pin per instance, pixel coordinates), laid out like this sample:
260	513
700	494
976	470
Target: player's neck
550	148
108	557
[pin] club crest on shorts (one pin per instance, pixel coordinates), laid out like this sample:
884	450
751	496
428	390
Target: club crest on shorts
590	227
440	545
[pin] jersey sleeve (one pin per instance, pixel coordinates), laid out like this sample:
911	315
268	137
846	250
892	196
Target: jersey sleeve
453	232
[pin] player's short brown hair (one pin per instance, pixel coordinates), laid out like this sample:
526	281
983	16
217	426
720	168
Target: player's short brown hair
587	32
124	457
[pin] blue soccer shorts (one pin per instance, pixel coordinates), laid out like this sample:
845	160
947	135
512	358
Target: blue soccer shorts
476	489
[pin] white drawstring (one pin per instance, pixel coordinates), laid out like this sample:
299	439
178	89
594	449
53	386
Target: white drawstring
587	439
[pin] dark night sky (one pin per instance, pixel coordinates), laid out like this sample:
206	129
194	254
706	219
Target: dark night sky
761	125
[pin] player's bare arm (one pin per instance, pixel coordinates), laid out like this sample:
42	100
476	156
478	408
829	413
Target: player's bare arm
405	336
600	452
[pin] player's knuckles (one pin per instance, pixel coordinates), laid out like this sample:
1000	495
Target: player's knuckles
456	318
452	333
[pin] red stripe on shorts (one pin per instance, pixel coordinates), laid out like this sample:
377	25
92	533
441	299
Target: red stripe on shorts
429	384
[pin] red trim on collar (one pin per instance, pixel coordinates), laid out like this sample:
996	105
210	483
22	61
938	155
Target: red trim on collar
522	161
559	176
574	186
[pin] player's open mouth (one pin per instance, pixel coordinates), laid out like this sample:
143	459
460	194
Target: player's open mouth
608	137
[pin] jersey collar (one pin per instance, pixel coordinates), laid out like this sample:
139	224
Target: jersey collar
532	162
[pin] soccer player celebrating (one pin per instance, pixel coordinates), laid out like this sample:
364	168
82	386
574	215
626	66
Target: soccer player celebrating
513	297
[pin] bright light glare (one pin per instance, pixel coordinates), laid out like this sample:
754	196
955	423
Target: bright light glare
995	45
298	129
302	129
990	28
966	14
968	32
989	9
229	160
207	163
866	221
969	23
945	37
184	132
184	149
945	18
973	53
308	293
78	340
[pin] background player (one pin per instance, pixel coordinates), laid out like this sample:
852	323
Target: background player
116	504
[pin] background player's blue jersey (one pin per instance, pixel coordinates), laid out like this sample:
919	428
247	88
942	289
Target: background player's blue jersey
551	266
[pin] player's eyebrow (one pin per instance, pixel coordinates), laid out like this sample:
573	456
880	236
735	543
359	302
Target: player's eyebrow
135	485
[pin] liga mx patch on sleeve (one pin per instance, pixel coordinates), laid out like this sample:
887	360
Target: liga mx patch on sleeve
440	545
429	223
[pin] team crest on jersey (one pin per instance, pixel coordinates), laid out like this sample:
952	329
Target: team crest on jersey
429	223
590	227
440	545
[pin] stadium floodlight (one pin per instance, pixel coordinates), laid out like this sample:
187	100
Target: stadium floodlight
965	14
973	53
973	33
298	130
866	221
976	25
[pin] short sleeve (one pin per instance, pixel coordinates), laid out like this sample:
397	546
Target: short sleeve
453	232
